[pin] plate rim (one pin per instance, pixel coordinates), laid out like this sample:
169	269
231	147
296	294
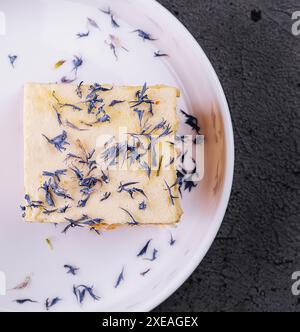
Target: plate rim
194	262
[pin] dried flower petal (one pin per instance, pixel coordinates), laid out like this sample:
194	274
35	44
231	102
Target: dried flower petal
51	302
191	121
23	284
120	279
93	23
144	35
158	54
67	80
83	34
172	198
77	62
144	249
81	291
49	243
12	59
172	241
133	222
22	301
154	256
143	206
59	63
58	141
71	269
145	272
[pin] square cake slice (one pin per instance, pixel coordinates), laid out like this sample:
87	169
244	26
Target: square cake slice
100	156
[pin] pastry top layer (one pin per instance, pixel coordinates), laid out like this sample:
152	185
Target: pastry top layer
99	153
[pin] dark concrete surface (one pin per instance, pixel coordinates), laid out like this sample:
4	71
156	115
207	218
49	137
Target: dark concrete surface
257	58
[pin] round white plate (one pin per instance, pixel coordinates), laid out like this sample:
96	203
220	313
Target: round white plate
42	32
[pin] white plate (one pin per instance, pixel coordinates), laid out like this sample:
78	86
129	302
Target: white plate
41	32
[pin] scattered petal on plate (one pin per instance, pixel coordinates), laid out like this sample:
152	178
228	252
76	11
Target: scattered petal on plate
158	54
49	243
115	44
83	34
144	249
192	122
114	23
93	23
145	272
120	279
81	291
154	256
108	11
67	80
144	35
71	269
22	301
23	284
59	63
172	241
51	302
12	59
77	62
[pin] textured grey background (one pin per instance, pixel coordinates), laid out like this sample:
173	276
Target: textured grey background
250	264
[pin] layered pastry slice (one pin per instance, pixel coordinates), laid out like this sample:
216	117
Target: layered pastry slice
100	156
